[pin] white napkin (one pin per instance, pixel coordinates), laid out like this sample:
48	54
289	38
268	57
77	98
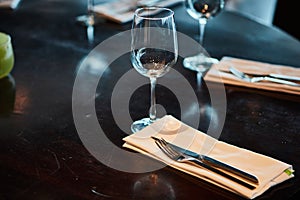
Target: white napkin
122	11
9	3
220	73
269	171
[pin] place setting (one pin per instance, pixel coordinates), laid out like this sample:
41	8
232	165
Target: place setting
255	74
238	170
122	11
154	50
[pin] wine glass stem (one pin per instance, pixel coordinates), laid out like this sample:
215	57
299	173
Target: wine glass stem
152	110
90	7
199	79
202	24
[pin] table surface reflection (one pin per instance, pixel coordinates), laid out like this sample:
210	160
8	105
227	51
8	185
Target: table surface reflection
42	155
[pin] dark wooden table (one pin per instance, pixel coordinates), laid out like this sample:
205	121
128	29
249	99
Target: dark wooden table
41	153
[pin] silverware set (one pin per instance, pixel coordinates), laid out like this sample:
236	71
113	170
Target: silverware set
181	155
276	78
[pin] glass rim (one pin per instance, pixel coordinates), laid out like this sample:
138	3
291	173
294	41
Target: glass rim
6	40
137	14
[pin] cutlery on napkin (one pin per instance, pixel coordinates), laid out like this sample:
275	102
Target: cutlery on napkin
269	78
184	155
269	171
220	73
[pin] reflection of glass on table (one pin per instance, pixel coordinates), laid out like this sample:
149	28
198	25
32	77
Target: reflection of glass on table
153	186
7	95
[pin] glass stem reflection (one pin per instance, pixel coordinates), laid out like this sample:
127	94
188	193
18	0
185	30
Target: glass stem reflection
202	24
152	110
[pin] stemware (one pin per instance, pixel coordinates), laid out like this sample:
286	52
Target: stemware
154	49
202	10
88	20
6	55
7	82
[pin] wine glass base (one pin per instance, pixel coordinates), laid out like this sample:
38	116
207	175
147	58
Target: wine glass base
140	124
87	20
199	63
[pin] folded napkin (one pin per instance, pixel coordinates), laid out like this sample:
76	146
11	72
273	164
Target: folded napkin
122	11
269	171
220	73
9	3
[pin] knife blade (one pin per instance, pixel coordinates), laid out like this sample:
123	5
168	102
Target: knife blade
215	163
274	75
286	77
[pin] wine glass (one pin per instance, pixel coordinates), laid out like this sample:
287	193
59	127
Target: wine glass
88	20
7	82
202	10
154	49
7	59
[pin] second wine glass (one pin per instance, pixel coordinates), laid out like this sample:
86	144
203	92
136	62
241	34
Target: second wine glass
154	49
202	10
88	20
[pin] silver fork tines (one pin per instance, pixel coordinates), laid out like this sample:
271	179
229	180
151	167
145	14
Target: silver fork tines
169	151
179	157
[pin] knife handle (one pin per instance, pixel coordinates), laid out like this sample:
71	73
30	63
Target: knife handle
278	80
222	173
220	165
287	77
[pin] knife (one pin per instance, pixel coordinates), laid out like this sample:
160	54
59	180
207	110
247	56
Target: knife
280	76
287	77
216	164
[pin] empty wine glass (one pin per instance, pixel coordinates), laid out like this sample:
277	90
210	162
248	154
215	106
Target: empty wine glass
202	10
154	49
7	58
88	20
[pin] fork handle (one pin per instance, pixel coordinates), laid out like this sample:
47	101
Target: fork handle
226	175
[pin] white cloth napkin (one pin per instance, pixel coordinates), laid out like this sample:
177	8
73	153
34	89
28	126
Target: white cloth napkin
122	11
9	3
269	171
220	73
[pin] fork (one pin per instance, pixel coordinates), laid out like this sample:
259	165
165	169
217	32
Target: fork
247	78
179	157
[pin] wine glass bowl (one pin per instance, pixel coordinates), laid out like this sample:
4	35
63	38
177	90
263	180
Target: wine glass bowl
152	62
201	10
154	50
7	59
